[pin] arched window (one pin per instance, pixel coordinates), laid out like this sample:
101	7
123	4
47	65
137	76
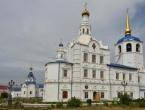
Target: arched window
83	30
64	94
137	48
129	47
119	48
87	31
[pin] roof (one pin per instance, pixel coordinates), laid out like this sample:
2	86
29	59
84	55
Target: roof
40	85
128	38
30	79
16	88
3	87
121	66
59	61
142	89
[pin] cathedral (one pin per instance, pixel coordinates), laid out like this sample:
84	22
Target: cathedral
83	69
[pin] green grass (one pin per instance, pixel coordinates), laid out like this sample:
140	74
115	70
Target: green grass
82	108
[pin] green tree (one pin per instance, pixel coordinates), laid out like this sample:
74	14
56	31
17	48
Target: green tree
74	102
125	99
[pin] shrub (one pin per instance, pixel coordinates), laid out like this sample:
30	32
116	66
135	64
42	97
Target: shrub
52	106
59	104
141	102
18	104
125	99
4	95
106	104
74	102
89	102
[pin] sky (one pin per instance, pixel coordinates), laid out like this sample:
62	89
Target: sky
30	30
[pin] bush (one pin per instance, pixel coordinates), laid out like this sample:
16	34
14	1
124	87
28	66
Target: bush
140	102
59	104
74	102
89	102
18	104
125	99
4	95
52	106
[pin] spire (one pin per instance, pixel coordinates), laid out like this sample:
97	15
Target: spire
85	28
127	28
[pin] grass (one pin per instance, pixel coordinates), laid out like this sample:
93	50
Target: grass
83	108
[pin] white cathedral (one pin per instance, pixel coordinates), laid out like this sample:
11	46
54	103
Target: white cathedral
83	69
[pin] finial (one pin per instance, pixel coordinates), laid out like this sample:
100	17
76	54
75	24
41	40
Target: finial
85	5
128	28
85	10
31	68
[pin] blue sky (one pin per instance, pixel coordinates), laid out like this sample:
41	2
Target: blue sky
31	30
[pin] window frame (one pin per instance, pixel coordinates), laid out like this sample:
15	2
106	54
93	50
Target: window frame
101	59
64	94
65	73
85	73
102	75
85	57
93	73
93	58
86	95
127	47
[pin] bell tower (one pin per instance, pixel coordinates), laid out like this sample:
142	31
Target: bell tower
129	49
60	52
85	28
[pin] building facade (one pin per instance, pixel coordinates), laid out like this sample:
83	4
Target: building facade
83	69
29	89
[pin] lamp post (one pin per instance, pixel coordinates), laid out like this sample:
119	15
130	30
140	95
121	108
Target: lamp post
10	85
124	84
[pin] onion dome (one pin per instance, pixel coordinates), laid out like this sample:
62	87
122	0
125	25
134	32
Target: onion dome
61	44
85	10
128	38
30	78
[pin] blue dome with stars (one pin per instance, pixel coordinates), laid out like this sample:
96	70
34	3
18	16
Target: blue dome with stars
128	38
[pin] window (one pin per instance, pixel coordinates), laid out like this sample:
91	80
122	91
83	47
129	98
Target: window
64	73
94	46
87	31
24	92
130	77
86	95
138	78
93	58
131	94
83	30
85	73
86	87
101	59
30	92
128	47
102	94
64	94
118	94
137	48
85	57
101	74
94	73
123	76
117	76
119	48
